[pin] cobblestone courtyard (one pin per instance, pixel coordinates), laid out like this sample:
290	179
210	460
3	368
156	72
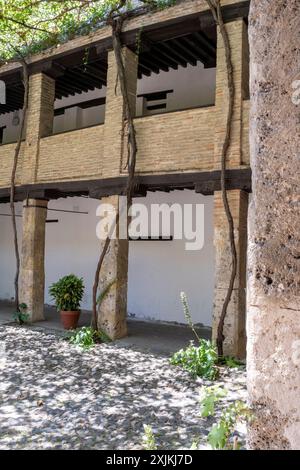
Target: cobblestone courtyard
55	396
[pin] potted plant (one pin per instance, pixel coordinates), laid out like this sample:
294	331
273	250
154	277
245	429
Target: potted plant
67	294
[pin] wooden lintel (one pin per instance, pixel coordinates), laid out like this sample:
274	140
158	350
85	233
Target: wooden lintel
206	182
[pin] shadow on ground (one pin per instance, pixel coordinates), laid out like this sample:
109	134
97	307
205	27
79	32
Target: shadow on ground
56	396
156	337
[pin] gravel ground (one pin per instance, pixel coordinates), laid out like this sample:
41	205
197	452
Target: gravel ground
55	396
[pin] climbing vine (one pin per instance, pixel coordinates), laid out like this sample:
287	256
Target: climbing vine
13	184
215	8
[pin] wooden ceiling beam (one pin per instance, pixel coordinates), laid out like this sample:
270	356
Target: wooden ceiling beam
69	86
205	42
185	51
85	78
174	53
145	61
158	54
97	73
198	52
143	70
77	82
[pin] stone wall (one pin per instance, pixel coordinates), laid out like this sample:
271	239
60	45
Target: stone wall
274	223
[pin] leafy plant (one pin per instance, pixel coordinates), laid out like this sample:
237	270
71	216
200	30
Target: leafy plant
198	360
219	436
209	397
230	362
21	316
86	337
149	442
31	26
67	293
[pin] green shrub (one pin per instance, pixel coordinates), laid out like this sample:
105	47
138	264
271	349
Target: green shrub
86	337
21	316
230	362
67	293
198	360
220	434
209	397
149	442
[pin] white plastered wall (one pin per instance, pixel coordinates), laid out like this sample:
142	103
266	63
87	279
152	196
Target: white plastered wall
158	270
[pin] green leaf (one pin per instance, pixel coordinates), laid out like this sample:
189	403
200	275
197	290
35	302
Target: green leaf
218	436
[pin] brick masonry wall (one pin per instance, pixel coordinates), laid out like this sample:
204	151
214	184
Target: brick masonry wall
234	330
39	122
245	134
72	155
188	140
237	32
177	141
6	162
114	131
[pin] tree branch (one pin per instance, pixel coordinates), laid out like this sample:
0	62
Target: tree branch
13	182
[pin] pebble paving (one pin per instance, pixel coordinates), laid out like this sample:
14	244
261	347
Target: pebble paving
54	395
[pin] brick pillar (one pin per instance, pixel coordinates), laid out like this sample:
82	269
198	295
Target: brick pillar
112	312
234	330
39	122
32	278
237	32
114	131
235	342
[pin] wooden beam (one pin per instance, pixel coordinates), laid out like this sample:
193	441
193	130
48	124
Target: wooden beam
205	182
82	105
179	57
145	61
205	42
184	50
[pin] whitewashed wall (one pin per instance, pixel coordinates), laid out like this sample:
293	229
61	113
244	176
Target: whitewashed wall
7	259
158	271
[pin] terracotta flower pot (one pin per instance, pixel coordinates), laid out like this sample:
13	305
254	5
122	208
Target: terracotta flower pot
69	319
